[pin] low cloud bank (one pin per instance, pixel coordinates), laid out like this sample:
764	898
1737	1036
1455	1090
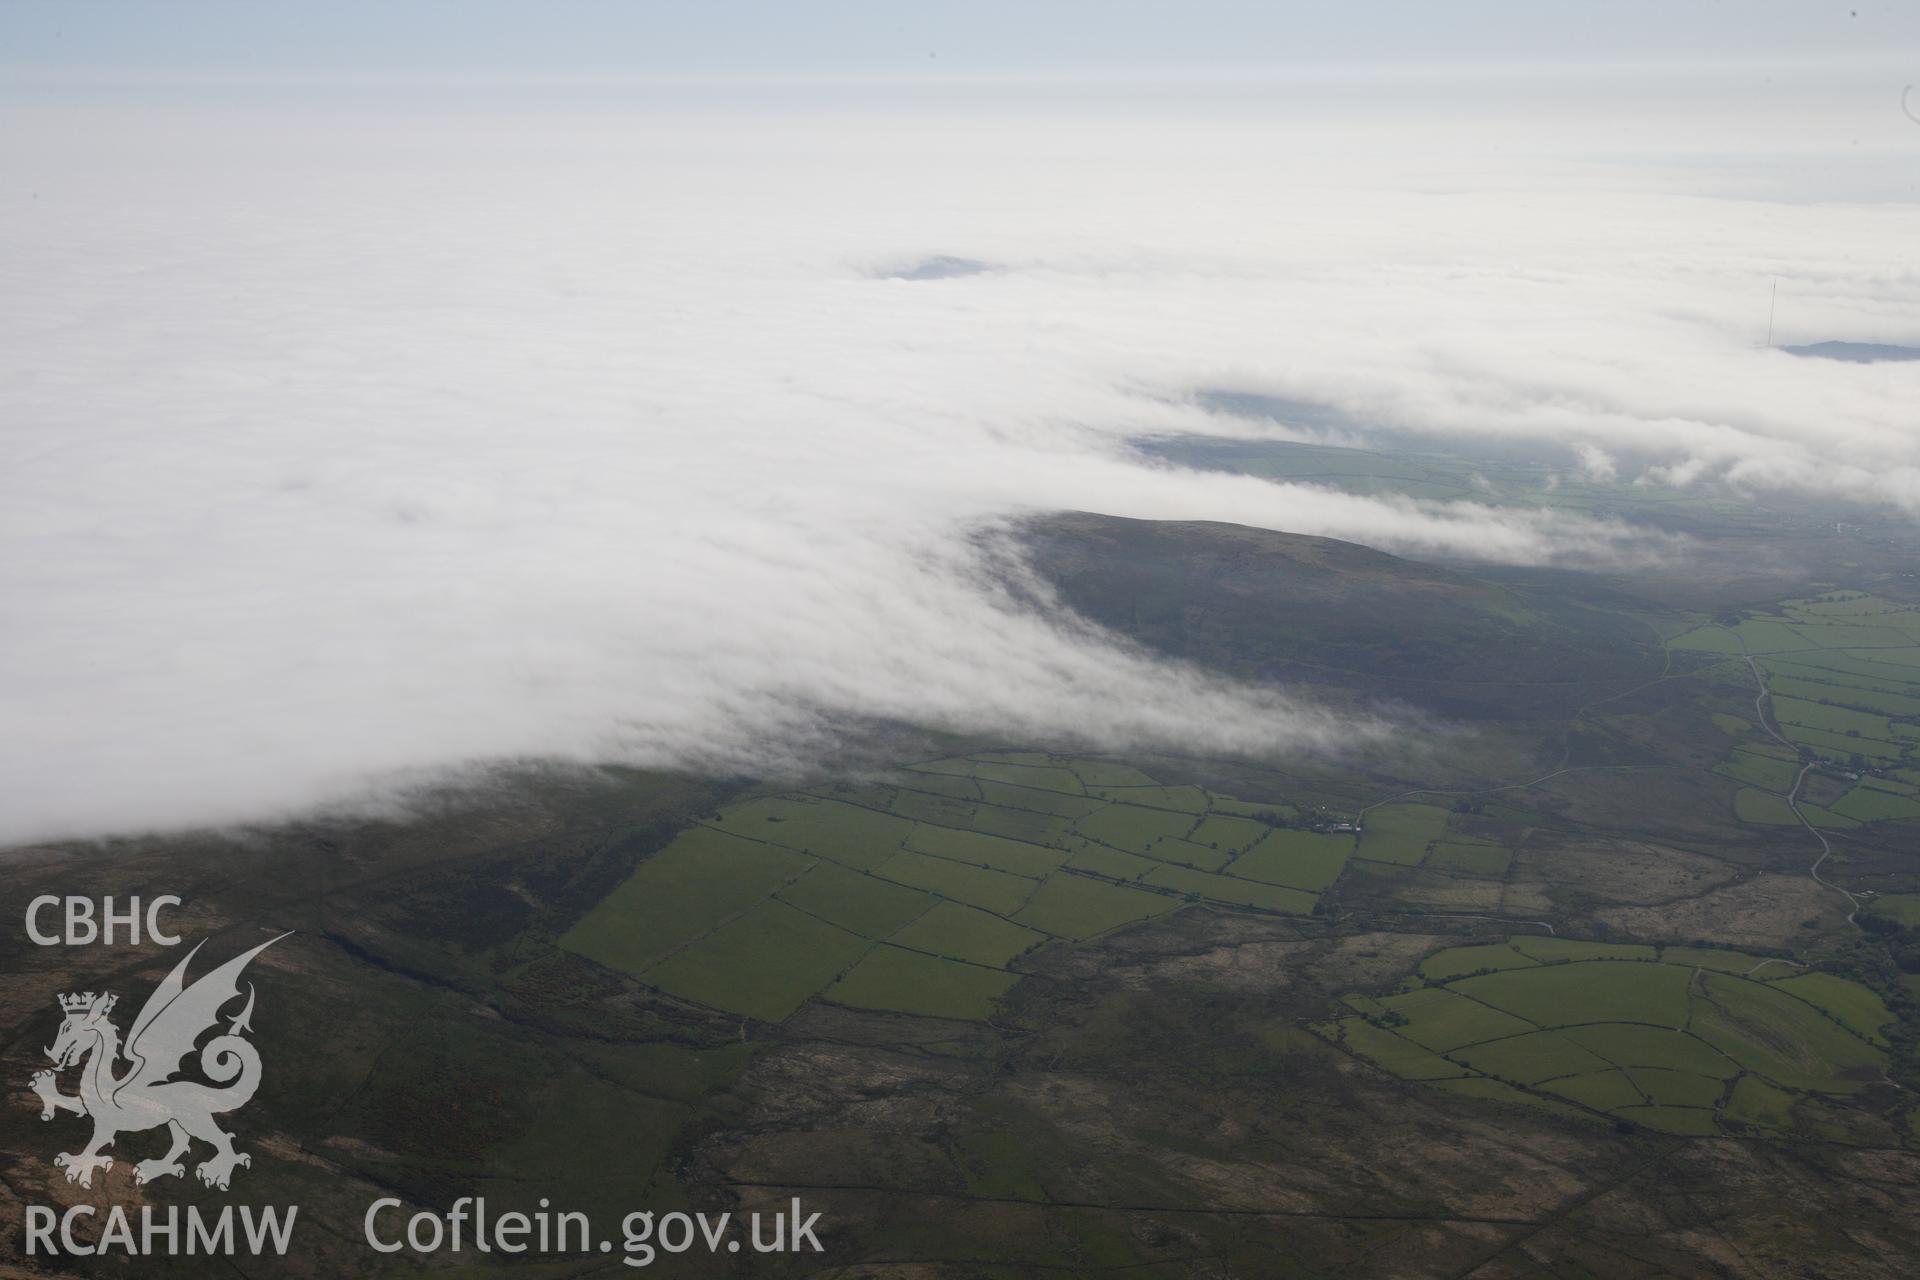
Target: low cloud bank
339	447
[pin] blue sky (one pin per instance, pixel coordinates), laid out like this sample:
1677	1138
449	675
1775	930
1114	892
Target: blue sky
839	37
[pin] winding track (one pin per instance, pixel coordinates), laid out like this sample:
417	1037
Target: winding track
1760	701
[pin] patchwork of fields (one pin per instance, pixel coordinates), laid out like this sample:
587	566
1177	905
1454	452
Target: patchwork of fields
1843	683
920	891
916	894
1408	834
1681	1039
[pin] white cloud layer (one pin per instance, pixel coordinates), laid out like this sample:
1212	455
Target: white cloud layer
343	445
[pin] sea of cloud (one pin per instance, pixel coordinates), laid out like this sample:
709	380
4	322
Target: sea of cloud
346	443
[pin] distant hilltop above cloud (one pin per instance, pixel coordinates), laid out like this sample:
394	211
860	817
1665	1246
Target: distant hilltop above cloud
1857	352
940	266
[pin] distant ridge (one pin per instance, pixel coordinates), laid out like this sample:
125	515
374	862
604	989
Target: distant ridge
1856	352
940	266
1263	604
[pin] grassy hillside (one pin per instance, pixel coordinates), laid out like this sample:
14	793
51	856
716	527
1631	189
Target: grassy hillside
1285	606
1076	1013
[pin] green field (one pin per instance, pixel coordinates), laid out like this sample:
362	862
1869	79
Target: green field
1875	801
1837	672
1763	808
1851	1005
1549	949
1903	908
1781	1038
1395	1053
980	849
1401	832
1828	819
1827	719
1042	777
1749	636
782	898
1735	962
967	933
1187	853
690	887
1671	1040
908	982
1490	1090
1858	694
953	786
1111	863
1300	859
1668	1088
1531	1058
1179	799
1071	906
955	865
995	891
1709	639
1894	671
1228	833
1107	773
1134	828
1057	804
1697	1122
1851	606
1264	811
1756	1103
1637	1045
941	810
1027	825
1842	635
1441	1019
915	899
1586	991
1608	1091
1024	769
844	833
1230	889
763	964
1458	962
1765	771
1835	746
862	904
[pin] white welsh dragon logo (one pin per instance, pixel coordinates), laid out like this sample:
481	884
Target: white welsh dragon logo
174	1017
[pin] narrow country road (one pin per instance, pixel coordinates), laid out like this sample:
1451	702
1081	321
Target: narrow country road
1760	701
